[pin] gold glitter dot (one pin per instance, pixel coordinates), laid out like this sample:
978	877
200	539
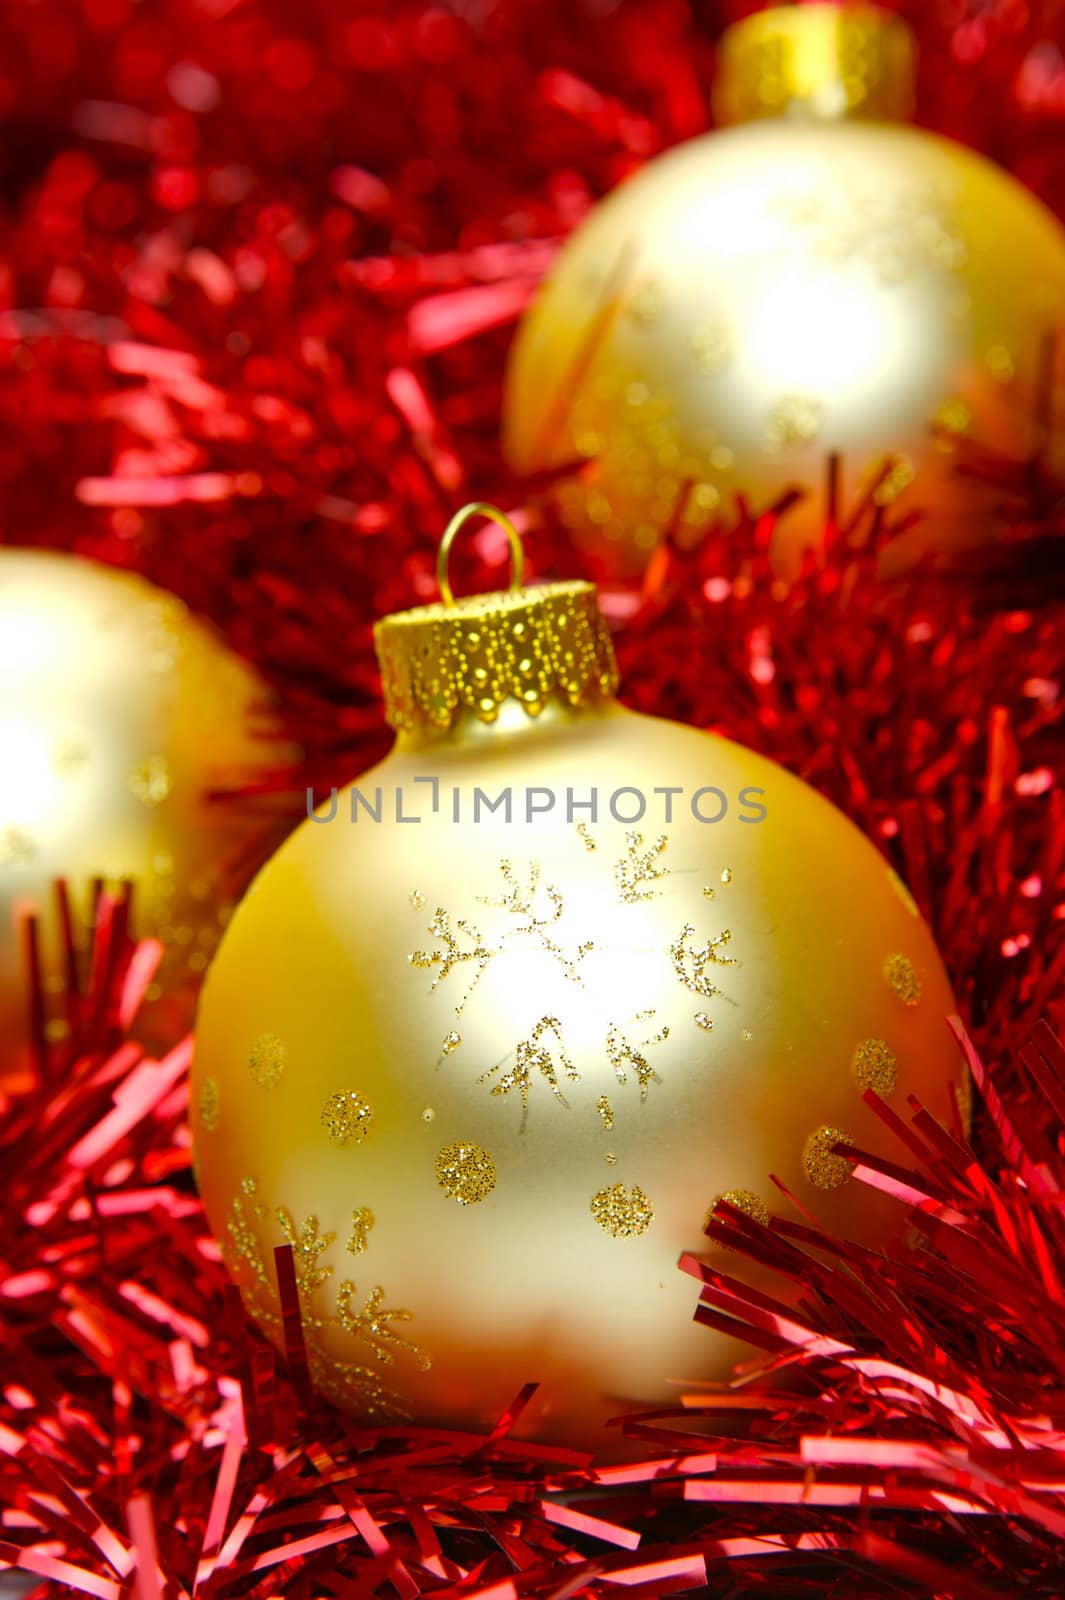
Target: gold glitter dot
644	307
894	481
746	1034
452	1041
702	1021
466	1173
67	757
711	347
416	899
149	780
623	1213
708	892
16	848
794	419
585	836
267	1060
726	874
903	893
346	1117
823	1168
362	1220
745	1200
610	1158
209	1106
873	1065
606	1113
1000	363
901	975
428	1114
953	417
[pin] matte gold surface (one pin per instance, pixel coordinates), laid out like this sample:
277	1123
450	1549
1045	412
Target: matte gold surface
119	713
767	294
532	1186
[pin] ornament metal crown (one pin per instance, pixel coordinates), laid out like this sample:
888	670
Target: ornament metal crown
823	61
473	654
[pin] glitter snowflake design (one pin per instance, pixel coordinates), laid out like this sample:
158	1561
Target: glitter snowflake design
536	908
690	961
639	869
460	944
532	1057
371	1325
533	912
625	1056
522	902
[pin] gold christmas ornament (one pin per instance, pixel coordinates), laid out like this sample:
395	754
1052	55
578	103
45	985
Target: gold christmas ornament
814	280
498	1024
119	712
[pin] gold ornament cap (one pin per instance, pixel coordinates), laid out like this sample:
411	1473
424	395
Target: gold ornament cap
473	654
819	61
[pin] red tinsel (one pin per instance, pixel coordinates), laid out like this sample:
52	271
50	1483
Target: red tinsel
148	1431
258	268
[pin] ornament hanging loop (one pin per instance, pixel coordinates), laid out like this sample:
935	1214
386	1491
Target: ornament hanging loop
478	508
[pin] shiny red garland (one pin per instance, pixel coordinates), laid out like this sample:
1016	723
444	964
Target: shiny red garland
260	265
904	1428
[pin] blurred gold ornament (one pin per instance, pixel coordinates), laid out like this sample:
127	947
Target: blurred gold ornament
564	1029
814	281
119	711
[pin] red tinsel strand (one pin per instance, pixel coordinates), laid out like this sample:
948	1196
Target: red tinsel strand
941	1368
244	320
927	1431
